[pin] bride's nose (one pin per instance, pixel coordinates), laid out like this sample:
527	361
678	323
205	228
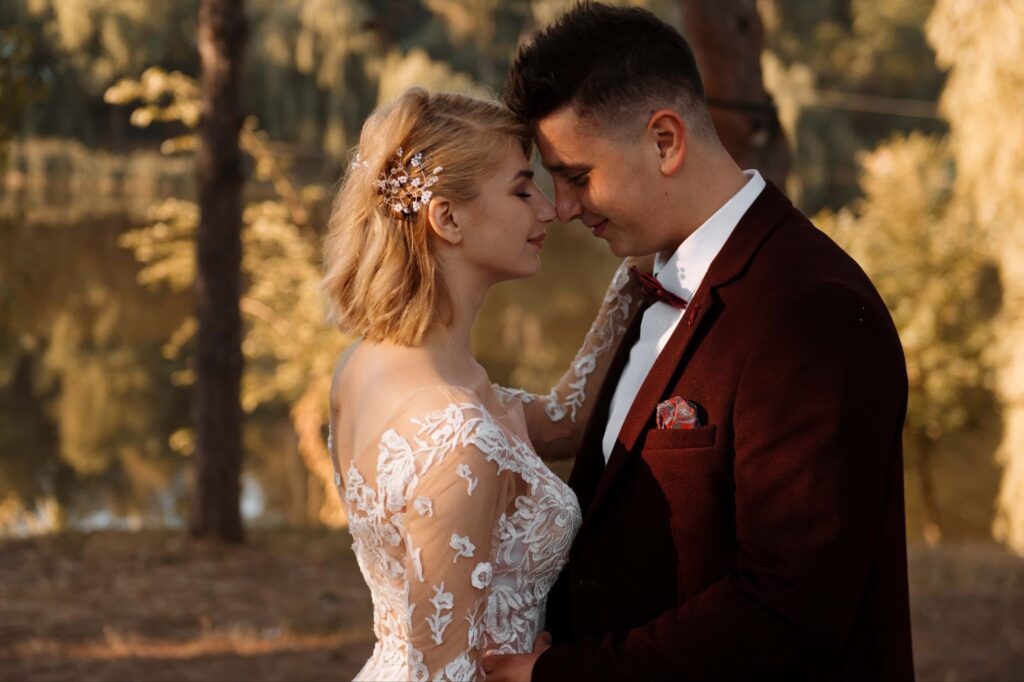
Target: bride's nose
546	211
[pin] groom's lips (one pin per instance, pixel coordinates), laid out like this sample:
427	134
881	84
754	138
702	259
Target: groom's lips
598	228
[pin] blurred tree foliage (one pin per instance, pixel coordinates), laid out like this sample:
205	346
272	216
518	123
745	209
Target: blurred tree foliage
289	352
86	413
920	248
926	214
312	73
315	68
18	83
980	42
822	58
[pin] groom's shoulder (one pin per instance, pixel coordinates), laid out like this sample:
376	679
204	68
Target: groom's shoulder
798	255
797	262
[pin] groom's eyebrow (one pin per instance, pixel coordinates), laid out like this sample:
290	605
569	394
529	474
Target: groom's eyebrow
566	168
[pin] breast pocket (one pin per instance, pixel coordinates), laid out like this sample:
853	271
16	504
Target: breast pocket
680	439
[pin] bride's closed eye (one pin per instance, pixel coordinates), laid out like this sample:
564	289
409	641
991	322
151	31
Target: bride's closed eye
524	191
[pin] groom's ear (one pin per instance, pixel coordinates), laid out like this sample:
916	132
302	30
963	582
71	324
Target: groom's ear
441	220
667	131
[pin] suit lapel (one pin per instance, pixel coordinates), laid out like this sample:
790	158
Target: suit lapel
757	223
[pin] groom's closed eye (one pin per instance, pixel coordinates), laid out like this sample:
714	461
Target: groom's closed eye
578	180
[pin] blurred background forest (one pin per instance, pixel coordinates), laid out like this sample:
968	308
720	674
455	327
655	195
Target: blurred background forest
902	124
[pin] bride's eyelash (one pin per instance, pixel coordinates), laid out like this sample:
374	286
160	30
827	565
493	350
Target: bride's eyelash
523	195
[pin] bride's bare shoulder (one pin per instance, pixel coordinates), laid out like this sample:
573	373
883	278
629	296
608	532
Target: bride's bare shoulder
369	374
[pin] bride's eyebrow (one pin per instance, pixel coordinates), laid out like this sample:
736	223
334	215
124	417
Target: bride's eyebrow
523	173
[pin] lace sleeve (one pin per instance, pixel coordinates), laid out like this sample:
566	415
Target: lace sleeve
452	508
555	421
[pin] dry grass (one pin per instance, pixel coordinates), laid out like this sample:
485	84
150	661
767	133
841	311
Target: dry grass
291	605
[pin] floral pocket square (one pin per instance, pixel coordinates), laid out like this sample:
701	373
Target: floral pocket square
676	413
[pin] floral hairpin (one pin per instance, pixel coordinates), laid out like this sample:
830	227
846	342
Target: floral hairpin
358	162
406	188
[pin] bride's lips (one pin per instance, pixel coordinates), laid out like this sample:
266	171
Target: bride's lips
537	241
598	228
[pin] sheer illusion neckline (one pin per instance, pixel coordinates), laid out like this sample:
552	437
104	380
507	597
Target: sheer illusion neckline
483	395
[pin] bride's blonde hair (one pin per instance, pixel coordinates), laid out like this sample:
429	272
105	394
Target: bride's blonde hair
382	280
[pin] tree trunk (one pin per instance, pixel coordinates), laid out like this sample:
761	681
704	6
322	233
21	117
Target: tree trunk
216	512
727	38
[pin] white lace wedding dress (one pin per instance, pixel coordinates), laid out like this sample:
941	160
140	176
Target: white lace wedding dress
459	528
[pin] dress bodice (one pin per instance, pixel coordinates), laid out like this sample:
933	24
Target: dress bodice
459	529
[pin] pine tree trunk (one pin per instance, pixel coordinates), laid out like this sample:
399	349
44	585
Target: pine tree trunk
727	38
216	512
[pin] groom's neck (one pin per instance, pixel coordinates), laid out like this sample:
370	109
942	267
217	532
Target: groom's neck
703	188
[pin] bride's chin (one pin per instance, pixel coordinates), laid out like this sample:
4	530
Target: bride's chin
532	270
524	271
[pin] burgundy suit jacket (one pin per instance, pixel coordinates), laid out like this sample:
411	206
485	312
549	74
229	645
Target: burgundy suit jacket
768	543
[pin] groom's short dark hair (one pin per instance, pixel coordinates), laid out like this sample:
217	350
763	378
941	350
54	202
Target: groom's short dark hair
608	63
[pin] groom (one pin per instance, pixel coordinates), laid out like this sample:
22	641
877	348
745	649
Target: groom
741	478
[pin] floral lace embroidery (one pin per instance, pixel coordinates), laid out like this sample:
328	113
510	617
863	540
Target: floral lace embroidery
465	472
418	670
482	575
424	506
460	669
462	547
529	544
442	601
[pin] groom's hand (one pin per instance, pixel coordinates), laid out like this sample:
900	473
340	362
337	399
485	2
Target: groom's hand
515	667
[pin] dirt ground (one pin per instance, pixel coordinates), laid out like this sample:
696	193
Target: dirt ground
290	605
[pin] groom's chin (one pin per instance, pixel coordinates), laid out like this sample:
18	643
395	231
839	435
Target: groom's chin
618	249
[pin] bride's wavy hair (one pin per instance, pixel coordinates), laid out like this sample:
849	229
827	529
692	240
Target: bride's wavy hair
382	280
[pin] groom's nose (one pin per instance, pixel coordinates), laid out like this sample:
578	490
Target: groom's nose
567	206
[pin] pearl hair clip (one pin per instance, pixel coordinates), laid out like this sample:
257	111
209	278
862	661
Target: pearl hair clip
405	187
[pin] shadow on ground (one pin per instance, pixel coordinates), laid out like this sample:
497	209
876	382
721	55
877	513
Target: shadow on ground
291	605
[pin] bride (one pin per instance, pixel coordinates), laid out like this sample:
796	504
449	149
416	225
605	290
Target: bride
459	528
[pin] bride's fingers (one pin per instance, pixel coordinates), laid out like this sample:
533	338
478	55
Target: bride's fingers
542	642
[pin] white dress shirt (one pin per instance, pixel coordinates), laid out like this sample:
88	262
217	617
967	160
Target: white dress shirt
681	273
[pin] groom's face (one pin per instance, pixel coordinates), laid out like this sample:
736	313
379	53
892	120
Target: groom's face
604	178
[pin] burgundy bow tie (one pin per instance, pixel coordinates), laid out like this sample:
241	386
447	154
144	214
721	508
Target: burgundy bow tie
655	291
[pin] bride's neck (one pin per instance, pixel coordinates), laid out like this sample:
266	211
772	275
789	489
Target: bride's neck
452	345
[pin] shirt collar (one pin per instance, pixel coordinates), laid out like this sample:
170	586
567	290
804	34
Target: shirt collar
682	272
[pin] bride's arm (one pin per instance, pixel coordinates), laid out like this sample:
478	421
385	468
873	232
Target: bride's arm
453	508
556	420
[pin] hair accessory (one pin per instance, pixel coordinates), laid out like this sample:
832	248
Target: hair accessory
359	163
406	187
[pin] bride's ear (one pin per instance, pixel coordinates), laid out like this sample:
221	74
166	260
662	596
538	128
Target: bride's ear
441	220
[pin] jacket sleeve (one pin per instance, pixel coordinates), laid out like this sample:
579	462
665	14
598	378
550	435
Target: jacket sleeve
818	417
